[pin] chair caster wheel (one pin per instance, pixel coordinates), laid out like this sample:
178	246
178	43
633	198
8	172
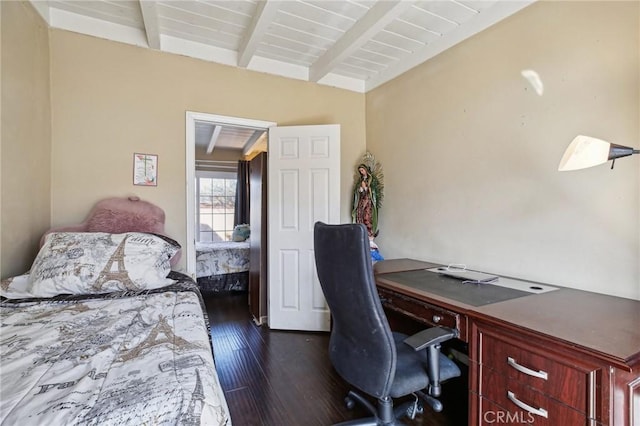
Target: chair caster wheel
414	409
349	402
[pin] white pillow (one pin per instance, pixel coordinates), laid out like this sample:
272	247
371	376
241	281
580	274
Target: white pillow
15	287
98	262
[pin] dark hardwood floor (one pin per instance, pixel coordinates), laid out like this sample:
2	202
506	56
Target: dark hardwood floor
284	378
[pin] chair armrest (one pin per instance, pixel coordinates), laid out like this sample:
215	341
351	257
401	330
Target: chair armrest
430	336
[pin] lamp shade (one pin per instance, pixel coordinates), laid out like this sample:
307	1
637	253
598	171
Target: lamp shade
585	151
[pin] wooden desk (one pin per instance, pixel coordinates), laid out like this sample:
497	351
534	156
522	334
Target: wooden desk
567	357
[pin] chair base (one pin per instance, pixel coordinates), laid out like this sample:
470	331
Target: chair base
435	404
384	415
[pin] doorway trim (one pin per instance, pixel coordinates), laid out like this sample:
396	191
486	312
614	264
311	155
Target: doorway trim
190	171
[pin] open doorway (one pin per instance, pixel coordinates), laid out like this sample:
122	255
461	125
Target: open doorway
299	185
214	145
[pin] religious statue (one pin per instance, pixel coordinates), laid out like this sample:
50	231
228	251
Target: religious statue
368	194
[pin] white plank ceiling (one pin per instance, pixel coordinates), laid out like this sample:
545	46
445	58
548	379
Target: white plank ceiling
212	135
353	44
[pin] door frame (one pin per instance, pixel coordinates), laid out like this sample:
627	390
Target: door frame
190	172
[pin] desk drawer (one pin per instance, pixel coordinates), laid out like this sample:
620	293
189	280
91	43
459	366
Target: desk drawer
524	363
505	412
421	311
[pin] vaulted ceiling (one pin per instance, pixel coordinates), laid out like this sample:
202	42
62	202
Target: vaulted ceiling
352	44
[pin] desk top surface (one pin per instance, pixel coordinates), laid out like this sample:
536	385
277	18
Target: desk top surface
606	326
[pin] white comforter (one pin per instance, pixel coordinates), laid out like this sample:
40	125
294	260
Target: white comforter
138	360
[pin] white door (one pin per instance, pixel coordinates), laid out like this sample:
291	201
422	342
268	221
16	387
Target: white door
304	187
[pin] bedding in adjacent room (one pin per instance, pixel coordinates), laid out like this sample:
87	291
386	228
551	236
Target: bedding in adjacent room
222	266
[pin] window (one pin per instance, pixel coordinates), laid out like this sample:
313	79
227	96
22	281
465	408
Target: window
216	193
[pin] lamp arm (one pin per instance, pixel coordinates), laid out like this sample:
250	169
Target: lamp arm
617	151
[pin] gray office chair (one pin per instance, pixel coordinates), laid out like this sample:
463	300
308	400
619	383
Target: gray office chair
362	348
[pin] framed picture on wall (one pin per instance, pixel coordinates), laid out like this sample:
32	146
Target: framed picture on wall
145	169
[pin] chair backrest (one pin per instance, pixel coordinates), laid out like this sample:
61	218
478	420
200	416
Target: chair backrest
361	346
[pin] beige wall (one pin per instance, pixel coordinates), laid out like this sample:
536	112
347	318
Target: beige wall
111	100
227	158
26	136
471	151
219	154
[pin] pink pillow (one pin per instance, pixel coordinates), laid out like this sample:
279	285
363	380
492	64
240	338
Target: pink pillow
118	215
118	222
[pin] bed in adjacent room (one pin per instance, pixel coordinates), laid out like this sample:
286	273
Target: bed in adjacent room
222	266
101	332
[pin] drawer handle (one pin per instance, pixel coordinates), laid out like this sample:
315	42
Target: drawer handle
539	374
537	411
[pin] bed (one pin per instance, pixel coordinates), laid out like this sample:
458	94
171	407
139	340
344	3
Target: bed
100	331
222	266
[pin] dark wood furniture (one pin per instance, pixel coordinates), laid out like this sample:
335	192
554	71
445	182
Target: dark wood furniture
567	357
258	239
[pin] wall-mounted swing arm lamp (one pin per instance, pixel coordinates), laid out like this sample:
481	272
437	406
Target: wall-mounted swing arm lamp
585	151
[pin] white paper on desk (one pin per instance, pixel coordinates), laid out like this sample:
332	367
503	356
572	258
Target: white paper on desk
466	275
484	278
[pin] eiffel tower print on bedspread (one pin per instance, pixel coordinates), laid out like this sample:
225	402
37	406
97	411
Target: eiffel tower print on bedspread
121	275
